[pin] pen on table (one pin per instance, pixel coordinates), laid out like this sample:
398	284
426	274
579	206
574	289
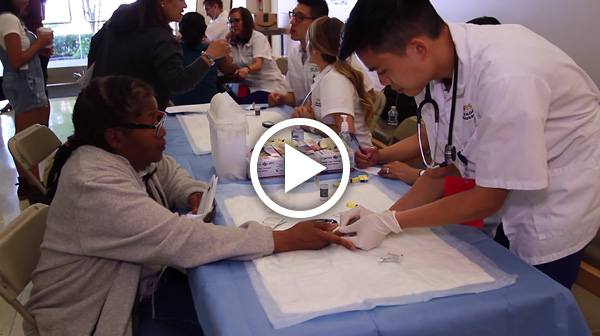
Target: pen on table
359	146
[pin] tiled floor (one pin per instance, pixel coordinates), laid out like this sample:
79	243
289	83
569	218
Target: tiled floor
60	123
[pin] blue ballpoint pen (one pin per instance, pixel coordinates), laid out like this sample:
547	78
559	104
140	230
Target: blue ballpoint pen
359	146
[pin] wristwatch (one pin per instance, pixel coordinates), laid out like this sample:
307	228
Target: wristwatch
204	53
421	172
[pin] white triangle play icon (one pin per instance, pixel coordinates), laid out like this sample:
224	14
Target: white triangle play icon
299	168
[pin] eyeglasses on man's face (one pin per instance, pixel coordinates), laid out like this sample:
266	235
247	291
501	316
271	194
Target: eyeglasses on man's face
161	117
232	21
299	16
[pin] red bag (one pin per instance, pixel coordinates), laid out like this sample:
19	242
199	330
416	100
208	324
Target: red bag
455	185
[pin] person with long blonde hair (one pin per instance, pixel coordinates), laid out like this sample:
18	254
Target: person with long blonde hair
338	89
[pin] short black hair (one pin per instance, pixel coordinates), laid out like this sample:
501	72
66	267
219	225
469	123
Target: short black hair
213	2
388	25
318	8
192	28
8	6
484	20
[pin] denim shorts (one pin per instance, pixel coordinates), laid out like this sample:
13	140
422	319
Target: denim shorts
25	89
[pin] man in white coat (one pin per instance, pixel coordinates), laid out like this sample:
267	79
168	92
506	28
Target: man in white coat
218	28
301	72
526	129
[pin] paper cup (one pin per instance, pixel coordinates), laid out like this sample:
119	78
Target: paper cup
45	30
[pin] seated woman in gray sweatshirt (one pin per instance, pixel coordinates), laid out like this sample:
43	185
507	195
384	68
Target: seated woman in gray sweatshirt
110	216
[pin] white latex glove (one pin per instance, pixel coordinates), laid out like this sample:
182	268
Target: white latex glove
354	214
371	229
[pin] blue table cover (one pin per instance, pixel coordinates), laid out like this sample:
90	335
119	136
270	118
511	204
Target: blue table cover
535	305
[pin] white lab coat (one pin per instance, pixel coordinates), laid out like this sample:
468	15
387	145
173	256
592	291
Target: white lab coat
269	78
527	120
333	93
218	28
301	73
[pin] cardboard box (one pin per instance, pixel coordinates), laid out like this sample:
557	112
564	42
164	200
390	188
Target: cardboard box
265	21
272	164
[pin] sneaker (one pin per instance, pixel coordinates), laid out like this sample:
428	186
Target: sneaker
36	196
6	108
24	189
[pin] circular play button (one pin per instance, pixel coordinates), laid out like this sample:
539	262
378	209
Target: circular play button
299	168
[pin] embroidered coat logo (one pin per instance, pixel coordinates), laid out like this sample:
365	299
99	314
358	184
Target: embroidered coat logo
468	113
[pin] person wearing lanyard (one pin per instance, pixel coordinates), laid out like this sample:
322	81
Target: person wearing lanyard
252	53
338	88
506	119
301	72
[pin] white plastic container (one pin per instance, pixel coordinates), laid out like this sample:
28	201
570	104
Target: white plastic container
228	130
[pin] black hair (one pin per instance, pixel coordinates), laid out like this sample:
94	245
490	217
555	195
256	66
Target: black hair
388	25
192	28
247	25
214	2
318	8
484	20
149	13
103	104
8	6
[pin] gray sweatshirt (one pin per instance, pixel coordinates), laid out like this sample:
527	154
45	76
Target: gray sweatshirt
102	226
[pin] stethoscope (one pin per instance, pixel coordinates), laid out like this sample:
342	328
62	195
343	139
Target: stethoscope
449	150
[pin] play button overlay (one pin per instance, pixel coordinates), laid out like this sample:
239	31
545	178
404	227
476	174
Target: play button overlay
299	168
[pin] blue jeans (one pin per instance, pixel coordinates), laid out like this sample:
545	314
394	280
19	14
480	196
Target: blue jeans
24	89
175	314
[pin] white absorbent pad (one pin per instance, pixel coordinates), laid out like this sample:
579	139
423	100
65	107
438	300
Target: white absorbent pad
432	262
197	128
201	108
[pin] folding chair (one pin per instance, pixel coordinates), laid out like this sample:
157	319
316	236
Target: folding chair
19	254
31	147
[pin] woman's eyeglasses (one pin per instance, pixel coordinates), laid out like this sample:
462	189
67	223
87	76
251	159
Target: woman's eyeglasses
232	21
299	16
161	116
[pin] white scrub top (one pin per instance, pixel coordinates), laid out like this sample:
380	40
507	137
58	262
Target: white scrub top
269	78
301	73
333	93
218	28
527	120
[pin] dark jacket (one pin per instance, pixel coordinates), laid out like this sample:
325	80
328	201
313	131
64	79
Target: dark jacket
150	53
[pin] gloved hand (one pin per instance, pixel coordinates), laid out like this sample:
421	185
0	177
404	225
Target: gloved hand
354	214
371	229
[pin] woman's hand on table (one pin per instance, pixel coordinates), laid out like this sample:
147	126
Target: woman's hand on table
274	99
399	171
242	73
194	201
308	235
303	111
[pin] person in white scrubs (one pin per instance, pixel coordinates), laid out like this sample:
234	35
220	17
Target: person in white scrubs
394	159
301	72
252	53
526	129
338	89
218	27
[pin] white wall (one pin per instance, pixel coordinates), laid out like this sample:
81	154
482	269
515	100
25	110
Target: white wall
571	25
